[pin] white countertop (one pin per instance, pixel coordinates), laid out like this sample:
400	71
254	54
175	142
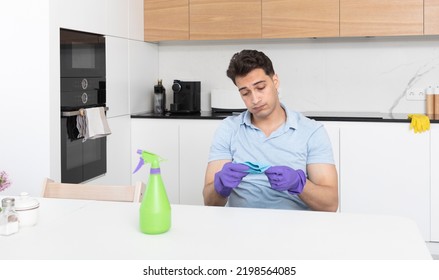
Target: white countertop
77	229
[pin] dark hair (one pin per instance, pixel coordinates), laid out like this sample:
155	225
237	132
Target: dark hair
245	61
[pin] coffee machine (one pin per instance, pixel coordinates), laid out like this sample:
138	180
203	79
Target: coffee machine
186	97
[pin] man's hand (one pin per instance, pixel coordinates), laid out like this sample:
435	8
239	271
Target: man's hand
284	178
229	177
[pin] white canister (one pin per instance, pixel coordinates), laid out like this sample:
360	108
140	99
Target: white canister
27	209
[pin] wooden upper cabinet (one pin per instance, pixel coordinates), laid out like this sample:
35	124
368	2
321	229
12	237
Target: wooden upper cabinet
166	20
431	17
381	17
225	19
253	19
300	18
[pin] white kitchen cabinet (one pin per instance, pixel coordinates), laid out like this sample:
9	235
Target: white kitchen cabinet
117	76
160	137
125	19
81	15
195	139
385	169
118	153
117	17
136	20
434	170
184	144
143	73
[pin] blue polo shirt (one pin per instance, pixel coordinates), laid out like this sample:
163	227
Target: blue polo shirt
300	141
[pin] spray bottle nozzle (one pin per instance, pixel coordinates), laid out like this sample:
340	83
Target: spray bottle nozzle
139	165
148	157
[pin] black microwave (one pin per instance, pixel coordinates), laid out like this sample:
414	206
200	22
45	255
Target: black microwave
82	54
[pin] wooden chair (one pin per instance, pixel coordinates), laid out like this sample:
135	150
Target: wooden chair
53	189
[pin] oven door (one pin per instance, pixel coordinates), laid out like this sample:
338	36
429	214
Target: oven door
82	54
81	161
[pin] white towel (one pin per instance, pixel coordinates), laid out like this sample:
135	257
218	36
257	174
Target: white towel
93	124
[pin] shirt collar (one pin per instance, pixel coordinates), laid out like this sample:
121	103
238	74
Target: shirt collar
291	119
246	118
290	123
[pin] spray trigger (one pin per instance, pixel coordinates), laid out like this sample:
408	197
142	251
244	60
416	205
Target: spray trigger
149	158
139	165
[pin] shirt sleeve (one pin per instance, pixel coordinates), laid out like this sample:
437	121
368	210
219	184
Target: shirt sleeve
320	147
221	143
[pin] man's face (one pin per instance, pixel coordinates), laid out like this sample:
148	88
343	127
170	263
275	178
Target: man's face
259	92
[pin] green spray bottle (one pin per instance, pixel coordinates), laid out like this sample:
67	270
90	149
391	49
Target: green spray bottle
155	210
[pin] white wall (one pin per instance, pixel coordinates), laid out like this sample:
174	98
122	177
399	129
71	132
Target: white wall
337	74
24	103
29	55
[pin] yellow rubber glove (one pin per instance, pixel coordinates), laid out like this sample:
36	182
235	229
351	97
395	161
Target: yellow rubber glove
419	123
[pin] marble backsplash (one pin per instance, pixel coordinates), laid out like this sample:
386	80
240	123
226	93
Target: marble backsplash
323	74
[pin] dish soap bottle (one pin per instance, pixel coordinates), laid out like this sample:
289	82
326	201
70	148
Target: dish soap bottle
155	210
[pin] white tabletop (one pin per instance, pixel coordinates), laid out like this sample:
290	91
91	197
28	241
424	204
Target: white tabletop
77	229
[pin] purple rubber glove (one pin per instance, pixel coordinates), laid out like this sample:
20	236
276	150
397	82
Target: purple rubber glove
284	178
229	177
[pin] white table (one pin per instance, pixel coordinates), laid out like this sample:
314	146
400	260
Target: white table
77	229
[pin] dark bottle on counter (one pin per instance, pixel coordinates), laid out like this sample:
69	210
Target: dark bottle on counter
159	98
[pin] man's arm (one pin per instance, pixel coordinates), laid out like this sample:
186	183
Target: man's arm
211	197
321	190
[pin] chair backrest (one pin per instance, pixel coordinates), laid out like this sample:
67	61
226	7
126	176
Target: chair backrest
53	189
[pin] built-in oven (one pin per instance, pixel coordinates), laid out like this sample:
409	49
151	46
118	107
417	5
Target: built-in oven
83	86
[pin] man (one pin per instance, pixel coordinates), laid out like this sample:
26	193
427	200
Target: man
269	156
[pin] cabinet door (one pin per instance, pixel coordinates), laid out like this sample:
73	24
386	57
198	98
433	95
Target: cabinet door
117	76
84	15
298	18
143	73
166	20
118	18
381	18
195	140
135	24
385	170
434	182
159	137
431	17
225	19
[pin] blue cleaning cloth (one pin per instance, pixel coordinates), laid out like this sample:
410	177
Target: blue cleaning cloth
256	168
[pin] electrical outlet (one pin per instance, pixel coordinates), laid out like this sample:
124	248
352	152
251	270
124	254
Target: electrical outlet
415	94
